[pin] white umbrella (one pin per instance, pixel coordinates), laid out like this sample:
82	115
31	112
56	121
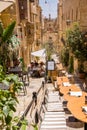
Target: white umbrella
40	53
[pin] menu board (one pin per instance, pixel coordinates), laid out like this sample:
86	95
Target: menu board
50	65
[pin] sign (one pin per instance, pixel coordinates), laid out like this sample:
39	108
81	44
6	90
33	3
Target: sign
50	65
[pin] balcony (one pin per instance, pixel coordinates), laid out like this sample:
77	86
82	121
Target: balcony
31	0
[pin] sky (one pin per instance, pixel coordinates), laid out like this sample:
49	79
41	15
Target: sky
49	7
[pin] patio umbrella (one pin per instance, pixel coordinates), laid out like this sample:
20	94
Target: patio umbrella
39	53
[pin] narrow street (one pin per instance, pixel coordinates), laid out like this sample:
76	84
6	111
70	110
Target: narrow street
43	52
24	101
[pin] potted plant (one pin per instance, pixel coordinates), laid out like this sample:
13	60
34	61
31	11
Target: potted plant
77	43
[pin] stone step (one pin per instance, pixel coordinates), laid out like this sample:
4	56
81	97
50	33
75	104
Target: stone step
53	116
54	129
54	104
54	113
54	119
53	126
54	123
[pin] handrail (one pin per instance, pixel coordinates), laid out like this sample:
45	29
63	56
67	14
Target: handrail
28	108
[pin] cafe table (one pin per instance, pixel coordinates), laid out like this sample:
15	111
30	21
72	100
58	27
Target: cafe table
62	79
75	105
15	70
18	70
65	90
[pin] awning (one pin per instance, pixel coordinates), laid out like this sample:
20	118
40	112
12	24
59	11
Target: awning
4	5
40	53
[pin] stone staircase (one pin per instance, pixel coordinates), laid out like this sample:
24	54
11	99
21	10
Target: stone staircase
54	116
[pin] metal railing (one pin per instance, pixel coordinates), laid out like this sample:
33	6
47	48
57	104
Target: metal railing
33	101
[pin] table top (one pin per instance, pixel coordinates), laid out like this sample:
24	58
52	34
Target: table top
65	90
75	106
62	79
75	103
15	69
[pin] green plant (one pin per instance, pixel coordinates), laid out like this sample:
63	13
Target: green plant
24	124
8	101
35	126
77	43
49	49
7	107
5	35
65	57
22	64
71	65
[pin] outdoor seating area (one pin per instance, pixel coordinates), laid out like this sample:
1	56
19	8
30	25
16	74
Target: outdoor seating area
23	76
75	97
43	64
36	69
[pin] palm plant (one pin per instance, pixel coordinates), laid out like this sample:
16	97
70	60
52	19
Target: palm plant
5	35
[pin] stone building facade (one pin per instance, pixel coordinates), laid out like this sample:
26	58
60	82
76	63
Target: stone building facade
50	31
29	27
69	12
28	17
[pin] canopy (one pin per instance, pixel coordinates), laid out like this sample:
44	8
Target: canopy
40	53
4	5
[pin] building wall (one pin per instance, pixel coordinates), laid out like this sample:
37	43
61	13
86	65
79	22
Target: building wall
60	24
70	11
83	15
50	31
29	20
